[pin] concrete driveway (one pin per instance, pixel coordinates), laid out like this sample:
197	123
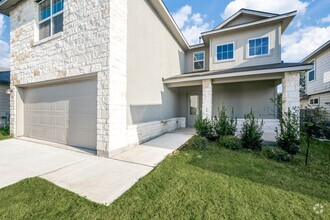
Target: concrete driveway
99	179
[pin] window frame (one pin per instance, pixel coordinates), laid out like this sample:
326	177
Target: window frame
313	62
50	18
195	61
261	55
312	101
225	60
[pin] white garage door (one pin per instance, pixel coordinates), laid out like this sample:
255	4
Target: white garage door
62	113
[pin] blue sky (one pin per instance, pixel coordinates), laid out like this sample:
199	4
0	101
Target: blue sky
309	30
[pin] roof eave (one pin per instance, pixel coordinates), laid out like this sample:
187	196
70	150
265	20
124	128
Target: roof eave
245	11
316	52
197	77
162	11
289	16
6	5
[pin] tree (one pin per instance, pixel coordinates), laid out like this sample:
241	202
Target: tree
312	125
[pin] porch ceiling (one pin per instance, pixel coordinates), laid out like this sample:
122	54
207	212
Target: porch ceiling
241	74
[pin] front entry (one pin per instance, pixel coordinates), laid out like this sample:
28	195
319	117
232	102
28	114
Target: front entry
193	108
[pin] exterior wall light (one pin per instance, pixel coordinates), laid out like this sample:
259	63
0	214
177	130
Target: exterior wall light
9	91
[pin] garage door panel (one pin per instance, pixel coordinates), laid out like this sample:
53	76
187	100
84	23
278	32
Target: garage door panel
64	113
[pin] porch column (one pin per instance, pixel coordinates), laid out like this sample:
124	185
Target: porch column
290	94
207	99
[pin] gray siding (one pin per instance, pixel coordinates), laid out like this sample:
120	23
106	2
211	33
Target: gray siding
322	71
4	100
246	96
153	55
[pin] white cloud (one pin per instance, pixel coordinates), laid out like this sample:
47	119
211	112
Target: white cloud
277	6
182	15
302	42
191	24
325	19
192	33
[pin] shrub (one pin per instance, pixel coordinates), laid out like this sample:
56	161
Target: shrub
277	154
251	133
199	142
223	124
5	131
205	128
230	142
287	138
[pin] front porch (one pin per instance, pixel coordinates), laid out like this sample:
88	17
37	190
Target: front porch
205	93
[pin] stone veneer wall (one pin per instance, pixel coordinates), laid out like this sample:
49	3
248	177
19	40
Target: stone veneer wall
290	94
207	99
81	49
140	133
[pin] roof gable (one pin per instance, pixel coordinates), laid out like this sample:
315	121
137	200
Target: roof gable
244	16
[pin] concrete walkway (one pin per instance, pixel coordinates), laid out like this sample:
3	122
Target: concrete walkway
99	179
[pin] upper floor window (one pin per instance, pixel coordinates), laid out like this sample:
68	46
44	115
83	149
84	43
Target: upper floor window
50	17
311	74
225	52
259	46
199	60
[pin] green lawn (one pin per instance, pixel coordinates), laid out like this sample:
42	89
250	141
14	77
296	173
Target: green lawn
192	184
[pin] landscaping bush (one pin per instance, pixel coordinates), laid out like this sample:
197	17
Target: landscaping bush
230	142
205	128
287	138
199	142
277	154
5	131
251	133
225	125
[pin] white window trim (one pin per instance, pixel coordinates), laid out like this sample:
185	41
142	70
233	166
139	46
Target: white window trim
261	55
226	60
51	17
194	61
311	71
314	101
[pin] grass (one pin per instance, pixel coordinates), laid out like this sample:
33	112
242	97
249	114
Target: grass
216	183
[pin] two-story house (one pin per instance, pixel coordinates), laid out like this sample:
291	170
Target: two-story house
317	80
109	74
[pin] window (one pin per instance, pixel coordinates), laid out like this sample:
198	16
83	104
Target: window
314	101
50	18
199	60
225	52
311	74
259	46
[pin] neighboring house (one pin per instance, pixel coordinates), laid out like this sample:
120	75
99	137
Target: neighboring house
107	75
4	97
317	80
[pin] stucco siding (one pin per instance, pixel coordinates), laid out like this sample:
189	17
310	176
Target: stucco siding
241	41
153	55
322	74
246	96
189	59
